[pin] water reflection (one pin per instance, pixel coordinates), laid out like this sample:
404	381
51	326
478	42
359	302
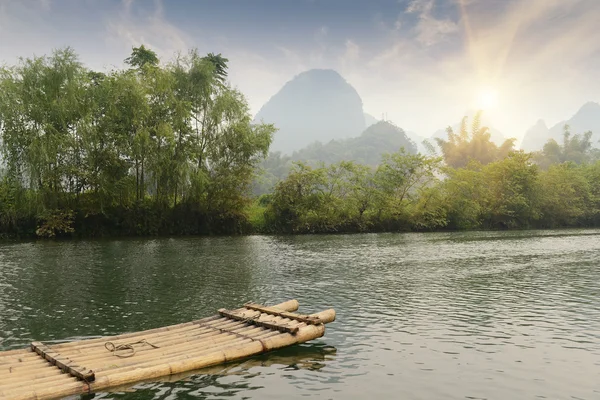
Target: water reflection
443	315
218	379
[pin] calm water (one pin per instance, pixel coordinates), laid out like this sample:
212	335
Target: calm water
420	316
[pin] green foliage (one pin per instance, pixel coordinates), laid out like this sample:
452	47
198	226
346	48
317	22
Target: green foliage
170	149
351	197
128	151
462	147
413	192
574	148
568	199
53	222
220	65
367	149
141	56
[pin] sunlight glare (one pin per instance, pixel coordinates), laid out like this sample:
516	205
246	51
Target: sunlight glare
487	99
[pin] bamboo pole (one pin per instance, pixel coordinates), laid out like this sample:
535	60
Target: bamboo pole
218	356
189	350
158	332
328	315
40	374
177	353
99	345
290	305
180	356
201	331
82	358
24	355
191	345
137	363
153	371
18	370
195	346
269	310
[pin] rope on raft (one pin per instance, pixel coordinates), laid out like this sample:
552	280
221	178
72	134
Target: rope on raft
110	346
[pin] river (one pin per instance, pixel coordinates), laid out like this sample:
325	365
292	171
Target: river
476	315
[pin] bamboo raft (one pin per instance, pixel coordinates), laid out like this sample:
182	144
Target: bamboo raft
92	365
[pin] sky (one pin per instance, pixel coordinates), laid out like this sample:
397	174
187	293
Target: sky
424	63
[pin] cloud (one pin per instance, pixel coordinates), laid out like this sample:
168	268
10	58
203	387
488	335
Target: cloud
352	53
135	26
420	6
430	30
423	67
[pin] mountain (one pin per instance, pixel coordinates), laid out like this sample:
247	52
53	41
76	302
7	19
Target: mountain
418	140
382	137
536	136
315	105
370	120
586	119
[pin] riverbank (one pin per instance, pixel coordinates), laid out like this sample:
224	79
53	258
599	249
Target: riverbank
147	222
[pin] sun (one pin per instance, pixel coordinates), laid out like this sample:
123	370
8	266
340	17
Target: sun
487	99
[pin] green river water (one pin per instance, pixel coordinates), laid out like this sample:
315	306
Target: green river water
477	315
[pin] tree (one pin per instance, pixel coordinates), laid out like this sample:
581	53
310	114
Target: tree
399	178
42	111
220	65
464	146
465	191
512	192
566	195
574	148
141	57
127	147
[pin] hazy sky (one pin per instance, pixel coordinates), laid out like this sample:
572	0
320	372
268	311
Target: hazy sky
423	62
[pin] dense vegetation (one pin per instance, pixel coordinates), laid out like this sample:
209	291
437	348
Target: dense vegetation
171	149
148	150
487	187
379	138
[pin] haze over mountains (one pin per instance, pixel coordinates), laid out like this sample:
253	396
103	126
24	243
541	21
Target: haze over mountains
315	105
586	119
319	105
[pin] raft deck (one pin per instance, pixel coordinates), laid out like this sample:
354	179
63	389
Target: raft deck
86	366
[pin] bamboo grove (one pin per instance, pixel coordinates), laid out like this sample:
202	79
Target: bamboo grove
147	150
170	149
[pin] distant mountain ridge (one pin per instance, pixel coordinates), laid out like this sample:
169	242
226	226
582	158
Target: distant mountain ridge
381	137
587	118
315	105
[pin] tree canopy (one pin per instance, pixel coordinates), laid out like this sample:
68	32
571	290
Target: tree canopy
170	148
574	148
464	146
172	140
141	56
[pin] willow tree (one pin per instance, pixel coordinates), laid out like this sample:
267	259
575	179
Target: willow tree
463	146
142	139
224	146
42	108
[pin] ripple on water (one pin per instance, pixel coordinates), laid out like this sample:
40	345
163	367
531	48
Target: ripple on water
446	315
